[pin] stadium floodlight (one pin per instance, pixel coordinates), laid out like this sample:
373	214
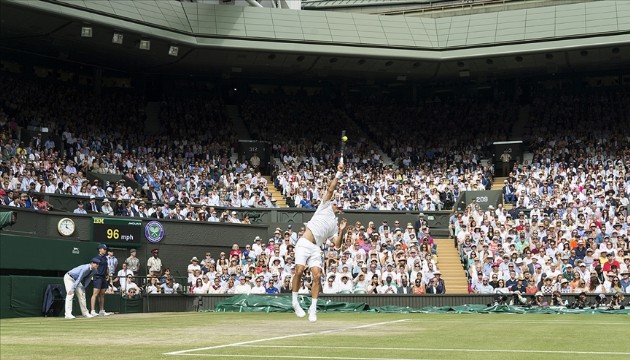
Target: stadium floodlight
145	45
173	50
86	32
117	38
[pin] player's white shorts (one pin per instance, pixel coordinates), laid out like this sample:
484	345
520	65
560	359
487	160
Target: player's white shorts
307	253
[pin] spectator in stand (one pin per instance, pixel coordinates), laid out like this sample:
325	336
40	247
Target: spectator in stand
154	264
484	287
133	291
436	284
216	287
404	287
388	286
112	263
259	287
93	206
154	286
106	208
418	287
192	268
345	286
132	262
170	287
271	287
80	209
197	287
121	278
361	282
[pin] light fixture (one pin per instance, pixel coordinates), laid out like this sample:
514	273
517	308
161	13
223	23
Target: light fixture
173	50
86	32
117	38
145	45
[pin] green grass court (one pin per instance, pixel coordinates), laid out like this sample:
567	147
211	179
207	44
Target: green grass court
340	336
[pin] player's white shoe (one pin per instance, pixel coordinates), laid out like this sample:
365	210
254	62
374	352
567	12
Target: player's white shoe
94	313
104	313
70	317
88	316
299	312
312	315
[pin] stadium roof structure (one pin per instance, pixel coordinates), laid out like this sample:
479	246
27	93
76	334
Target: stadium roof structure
349	4
312	4
430	8
249	40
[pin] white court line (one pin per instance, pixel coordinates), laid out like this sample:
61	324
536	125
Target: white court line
284	337
250	356
437	349
526	321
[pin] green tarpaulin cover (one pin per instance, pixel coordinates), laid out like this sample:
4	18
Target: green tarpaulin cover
260	303
5	218
484	309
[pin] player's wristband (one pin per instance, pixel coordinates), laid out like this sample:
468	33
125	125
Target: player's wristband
338	175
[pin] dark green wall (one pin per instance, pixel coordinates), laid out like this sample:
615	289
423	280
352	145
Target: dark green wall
34	243
22	296
34	253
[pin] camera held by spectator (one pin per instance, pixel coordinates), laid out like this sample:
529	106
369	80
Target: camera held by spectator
617	302
580	301
518	299
600	301
499	299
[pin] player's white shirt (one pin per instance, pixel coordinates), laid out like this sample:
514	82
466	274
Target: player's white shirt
323	224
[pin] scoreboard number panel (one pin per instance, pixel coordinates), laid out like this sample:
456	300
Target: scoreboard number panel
114	231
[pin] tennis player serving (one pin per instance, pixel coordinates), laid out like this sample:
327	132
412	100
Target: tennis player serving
308	252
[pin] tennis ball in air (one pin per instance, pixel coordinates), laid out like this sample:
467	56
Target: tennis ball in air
345	138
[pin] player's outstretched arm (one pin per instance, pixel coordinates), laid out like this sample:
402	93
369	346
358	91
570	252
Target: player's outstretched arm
333	184
338	237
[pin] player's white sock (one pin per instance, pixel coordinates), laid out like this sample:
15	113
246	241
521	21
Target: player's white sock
312	311
296	306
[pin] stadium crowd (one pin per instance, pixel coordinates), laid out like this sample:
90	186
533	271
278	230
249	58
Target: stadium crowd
383	259
185	174
568	230
569	201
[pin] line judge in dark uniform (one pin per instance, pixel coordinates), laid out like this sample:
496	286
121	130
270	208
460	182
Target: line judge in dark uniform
100	282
